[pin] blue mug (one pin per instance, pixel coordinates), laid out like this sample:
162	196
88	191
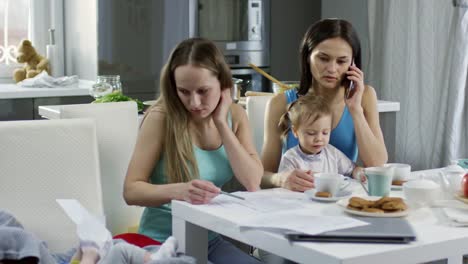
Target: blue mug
379	180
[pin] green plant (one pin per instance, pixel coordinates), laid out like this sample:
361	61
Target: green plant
118	97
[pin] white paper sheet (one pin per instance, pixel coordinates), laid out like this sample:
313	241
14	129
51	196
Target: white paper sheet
300	221
88	226
276	209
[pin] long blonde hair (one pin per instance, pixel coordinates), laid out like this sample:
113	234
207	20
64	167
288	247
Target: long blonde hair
180	163
308	107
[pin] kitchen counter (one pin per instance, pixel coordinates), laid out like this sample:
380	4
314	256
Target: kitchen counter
13	91
53	112
382	106
20	103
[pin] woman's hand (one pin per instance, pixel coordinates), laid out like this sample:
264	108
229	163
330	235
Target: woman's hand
221	111
297	180
357	76
199	191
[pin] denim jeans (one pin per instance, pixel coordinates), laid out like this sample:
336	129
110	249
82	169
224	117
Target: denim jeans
221	251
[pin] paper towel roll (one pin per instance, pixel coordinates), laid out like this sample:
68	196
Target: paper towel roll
55	62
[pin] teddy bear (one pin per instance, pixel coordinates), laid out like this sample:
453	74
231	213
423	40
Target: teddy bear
35	63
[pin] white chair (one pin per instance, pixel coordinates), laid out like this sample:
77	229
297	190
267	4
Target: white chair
255	106
41	161
117	129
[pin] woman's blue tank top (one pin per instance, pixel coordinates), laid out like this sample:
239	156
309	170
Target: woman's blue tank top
342	137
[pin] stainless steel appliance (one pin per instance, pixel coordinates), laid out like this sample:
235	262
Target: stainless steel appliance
135	38
240	28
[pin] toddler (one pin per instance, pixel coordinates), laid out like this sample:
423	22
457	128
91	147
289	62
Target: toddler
310	120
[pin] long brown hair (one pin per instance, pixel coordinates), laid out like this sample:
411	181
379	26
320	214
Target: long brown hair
318	32
180	163
307	108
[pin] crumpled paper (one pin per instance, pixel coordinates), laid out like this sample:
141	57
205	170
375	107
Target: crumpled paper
44	80
88	227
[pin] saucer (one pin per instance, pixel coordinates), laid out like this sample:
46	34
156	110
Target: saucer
397	187
341	194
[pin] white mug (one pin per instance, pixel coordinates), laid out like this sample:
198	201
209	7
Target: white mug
330	182
401	172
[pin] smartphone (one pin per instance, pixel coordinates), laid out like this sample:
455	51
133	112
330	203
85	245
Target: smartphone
349	85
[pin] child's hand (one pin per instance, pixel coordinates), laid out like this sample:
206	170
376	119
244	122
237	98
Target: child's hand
297	180
363	178
358	174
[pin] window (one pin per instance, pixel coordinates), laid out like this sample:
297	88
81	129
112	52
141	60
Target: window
14	21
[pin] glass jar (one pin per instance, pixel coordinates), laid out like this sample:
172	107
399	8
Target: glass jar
113	80
106	84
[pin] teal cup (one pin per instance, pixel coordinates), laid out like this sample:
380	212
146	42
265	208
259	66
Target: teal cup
461	162
379	180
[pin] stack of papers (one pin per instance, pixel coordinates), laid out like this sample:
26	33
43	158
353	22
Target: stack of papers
279	210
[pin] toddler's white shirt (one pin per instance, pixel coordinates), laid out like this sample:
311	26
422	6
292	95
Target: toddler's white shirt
330	160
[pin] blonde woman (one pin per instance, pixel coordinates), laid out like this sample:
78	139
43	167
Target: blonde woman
190	143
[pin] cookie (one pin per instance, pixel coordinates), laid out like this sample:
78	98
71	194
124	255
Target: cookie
323	194
373	210
353	208
394	206
398	182
383	200
358	202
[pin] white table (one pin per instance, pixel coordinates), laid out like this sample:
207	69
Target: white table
435	240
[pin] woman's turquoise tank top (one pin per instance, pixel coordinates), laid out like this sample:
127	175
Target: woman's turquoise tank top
213	165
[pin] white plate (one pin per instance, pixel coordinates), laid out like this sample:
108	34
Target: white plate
344	203
397	187
342	194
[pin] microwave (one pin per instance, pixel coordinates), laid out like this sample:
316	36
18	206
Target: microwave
240	29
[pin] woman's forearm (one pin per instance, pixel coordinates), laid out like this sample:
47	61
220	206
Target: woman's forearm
271	180
371	147
150	195
247	169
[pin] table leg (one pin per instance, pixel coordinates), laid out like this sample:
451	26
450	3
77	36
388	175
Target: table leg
455	260
193	239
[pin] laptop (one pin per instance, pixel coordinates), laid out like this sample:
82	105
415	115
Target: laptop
380	230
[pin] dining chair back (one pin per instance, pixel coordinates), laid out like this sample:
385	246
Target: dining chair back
117	129
255	106
45	160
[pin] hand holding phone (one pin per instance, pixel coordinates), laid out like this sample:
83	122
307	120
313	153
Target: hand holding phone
349	85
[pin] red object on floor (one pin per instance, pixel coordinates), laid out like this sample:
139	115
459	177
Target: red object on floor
138	240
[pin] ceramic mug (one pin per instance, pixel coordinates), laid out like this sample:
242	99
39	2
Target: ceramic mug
462	163
379	180
401	172
330	182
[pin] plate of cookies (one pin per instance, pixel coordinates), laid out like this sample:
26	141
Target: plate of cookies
375	206
326	196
